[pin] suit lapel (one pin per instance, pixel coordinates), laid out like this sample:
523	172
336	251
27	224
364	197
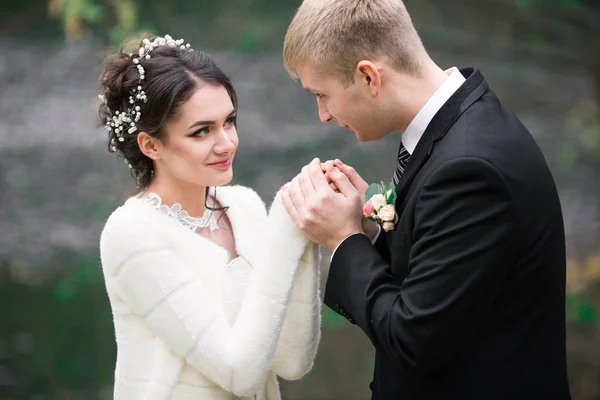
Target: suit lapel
468	93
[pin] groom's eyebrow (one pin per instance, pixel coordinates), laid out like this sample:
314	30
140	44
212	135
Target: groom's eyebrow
309	89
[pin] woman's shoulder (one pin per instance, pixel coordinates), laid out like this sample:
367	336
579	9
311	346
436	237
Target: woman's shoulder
134	224
133	213
241	196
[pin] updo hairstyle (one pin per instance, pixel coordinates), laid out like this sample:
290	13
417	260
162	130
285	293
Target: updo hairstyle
172	75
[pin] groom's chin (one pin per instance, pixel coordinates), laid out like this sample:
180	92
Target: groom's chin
370	136
367	136
361	136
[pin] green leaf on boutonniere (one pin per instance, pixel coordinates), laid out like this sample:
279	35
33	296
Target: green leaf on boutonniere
392	190
392	199
373	189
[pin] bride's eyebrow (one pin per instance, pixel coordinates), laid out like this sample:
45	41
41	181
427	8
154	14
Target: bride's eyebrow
197	123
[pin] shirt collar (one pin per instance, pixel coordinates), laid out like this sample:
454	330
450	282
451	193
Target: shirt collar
416	128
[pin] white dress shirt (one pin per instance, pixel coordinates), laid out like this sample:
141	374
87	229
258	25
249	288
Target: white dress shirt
416	128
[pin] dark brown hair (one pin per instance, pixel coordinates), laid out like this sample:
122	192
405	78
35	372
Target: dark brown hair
171	77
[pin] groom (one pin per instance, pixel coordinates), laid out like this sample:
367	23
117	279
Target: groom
465	298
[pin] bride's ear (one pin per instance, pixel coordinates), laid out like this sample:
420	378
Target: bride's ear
149	145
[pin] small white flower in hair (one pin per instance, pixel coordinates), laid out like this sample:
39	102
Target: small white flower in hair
127	119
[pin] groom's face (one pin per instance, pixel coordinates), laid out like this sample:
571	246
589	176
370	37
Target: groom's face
349	105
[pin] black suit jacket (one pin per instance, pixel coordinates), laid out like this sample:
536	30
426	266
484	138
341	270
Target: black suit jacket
465	299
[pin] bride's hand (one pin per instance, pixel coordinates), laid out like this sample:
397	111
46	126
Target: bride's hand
355	179
369	227
329	181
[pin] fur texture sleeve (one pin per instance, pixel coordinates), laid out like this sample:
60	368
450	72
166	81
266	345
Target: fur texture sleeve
161	288
301	333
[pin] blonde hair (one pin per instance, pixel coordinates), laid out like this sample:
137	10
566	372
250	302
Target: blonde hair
334	35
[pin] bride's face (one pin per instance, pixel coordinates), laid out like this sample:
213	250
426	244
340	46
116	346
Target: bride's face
199	145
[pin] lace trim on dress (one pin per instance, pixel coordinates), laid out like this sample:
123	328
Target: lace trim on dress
177	212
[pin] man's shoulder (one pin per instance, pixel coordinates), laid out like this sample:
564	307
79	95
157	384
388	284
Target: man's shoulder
486	130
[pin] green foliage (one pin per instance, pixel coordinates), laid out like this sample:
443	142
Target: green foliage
390	194
537	5
248	39
72	286
581	311
581	142
75	15
331	320
244	25
389	191
372	190
100	209
58	335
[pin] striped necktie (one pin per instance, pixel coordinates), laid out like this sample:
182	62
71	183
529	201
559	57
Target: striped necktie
403	157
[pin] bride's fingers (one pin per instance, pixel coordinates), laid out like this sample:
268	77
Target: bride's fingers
326	164
357	181
296	195
286	198
342	182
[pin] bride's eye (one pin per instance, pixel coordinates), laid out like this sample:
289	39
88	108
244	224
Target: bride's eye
230	121
200	132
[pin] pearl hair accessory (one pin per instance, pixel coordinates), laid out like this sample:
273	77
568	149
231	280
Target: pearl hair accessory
121	122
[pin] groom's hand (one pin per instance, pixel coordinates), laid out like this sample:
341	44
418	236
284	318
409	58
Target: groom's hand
370	228
325	216
355	179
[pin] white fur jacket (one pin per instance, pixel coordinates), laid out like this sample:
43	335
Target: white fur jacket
191	325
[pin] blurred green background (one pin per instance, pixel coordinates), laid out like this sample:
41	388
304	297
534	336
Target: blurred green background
58	183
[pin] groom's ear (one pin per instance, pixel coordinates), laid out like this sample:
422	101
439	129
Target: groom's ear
369	76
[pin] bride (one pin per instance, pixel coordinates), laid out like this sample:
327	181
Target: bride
212	296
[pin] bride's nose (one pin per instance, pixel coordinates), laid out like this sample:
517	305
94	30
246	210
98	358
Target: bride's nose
226	142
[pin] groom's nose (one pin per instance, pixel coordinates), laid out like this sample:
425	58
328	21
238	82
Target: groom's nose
324	114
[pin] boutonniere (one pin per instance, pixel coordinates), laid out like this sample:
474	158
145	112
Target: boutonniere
379	205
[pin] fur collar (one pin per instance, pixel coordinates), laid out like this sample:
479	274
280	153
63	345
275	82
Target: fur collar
245	210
